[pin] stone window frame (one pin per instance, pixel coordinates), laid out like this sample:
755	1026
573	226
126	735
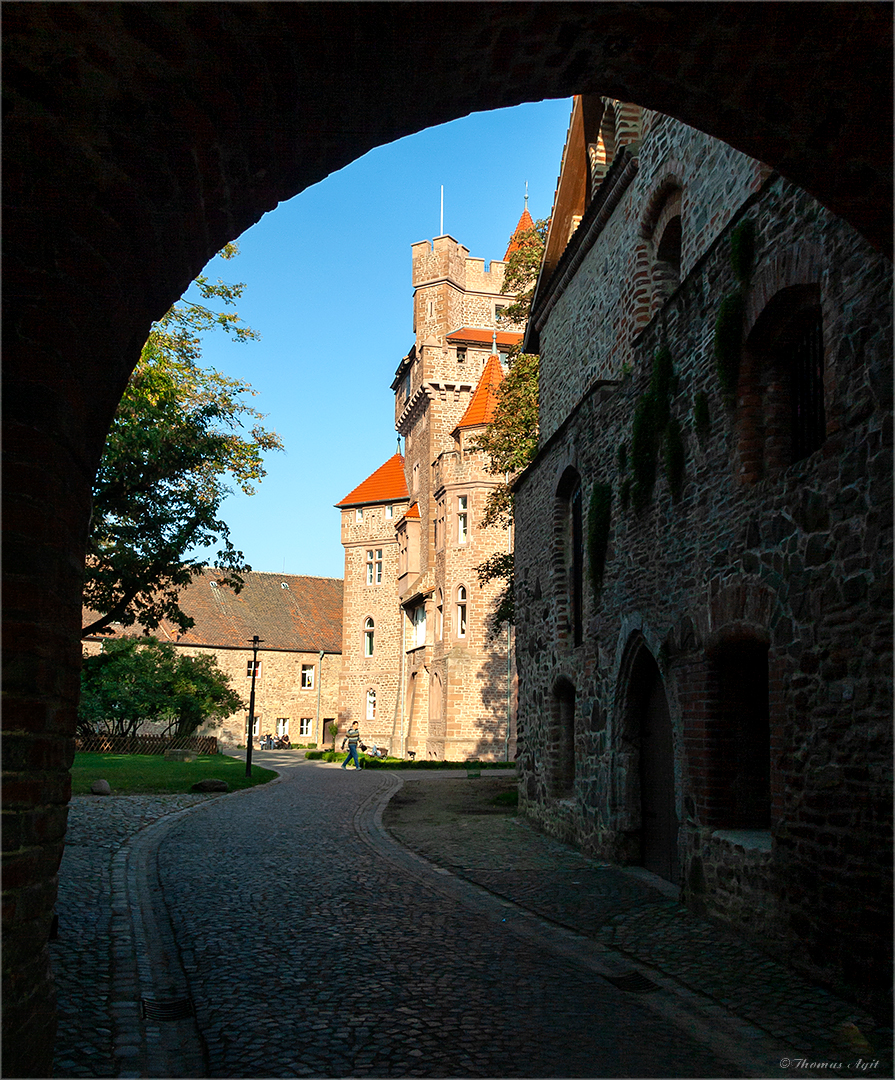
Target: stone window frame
305	726
562	755
358	515
307	676
369	635
568	554
370	704
369	579
461	609
765	398
257	668
463	514
656	280
282	725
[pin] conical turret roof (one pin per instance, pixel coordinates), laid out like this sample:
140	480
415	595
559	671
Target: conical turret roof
484	401
525	223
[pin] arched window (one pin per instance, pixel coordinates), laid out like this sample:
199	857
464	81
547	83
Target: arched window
371	704
461	611
369	629
782	381
667	262
570	555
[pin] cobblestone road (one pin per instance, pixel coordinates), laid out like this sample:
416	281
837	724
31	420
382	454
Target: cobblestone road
310	943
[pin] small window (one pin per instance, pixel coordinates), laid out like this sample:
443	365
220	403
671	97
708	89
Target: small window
419	625
283	725
284	585
369	629
253	667
499	309
462	519
389	513
370	567
213	584
379	566
256	724
461	355
304	725
371	704
461	611
359	514
307	676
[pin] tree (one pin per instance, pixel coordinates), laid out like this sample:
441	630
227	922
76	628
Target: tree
141	680
511	438
177	438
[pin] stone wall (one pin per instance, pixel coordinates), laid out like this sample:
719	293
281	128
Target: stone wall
794	565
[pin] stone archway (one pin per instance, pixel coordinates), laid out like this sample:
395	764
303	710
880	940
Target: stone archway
138	138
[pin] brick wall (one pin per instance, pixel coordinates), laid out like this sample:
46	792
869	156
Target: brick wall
797	563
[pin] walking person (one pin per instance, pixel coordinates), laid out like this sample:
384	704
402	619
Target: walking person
352	739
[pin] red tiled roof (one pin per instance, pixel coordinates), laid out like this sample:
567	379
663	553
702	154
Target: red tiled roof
306	616
484	337
525	222
413	512
387	484
484	401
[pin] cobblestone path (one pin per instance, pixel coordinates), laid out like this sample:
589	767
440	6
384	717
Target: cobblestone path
310	954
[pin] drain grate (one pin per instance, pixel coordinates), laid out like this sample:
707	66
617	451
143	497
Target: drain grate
632	983
178	1009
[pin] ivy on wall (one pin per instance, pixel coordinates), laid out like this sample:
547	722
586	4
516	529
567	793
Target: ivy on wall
653	427
599	518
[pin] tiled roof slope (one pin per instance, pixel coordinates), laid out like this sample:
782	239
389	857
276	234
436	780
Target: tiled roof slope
485	337
525	222
484	401
413	512
387	484
304	617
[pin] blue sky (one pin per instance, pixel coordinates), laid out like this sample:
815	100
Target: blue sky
328	288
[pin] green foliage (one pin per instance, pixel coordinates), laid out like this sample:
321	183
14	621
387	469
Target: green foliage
644	446
674	458
728	343
653	427
599	519
506	798
181	434
742	250
521	271
701	419
135	681
622	457
499	567
138	774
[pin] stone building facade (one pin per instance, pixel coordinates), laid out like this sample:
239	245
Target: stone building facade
703	551
431	681
299	622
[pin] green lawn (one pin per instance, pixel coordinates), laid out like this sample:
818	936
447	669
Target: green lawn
138	774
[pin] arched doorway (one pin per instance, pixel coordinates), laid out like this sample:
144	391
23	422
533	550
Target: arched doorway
648	781
658	813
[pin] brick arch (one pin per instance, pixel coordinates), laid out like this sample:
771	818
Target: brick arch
658	279
139	138
791	280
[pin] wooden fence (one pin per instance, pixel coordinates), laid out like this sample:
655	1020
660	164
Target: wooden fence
145	744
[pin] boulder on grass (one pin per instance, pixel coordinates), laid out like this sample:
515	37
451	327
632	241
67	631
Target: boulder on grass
100	787
211	785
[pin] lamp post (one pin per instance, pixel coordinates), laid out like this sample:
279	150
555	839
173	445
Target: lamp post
256	641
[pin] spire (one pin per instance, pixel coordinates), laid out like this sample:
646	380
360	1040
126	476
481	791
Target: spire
525	223
484	400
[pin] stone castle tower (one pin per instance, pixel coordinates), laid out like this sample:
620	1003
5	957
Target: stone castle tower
419	671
